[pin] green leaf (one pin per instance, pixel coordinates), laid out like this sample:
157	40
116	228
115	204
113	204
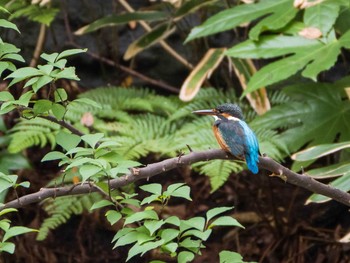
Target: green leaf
144	248
169	234
225	221
194	222
330	171
88	170
130	236
139	216
100	204
70	52
7	247
7	210
46	69
42	106
65	73
54	155
278	14
185	256
120	19
217	211
24	73
60	95
7	181
7	24
174	220
92	139
153	225
319	151
25	98
88	102
157	34
191	6
58	111
113	216
198	234
152	188
178	190
200	73
15	231
68	141
230	257
6	96
49	57
322	15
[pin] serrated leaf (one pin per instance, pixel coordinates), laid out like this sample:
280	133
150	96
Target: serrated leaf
120	19
200	73
54	155
157	34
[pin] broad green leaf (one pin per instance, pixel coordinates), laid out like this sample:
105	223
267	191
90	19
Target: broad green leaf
42	81
139	216
315	109
157	34
70	52
330	171
311	61
185	256
319	151
194	222
67	140
65	73
6	96
25	72
7	247
49	57
217	211
341	183
7	210
144	248
114	20
3	66
24	184
322	15
92	139
282	12
153	225
100	204
152	188
7	24
182	191
15	231
169	234
60	95
16	57
25	98
113	216
170	247
42	106
7	181
198	234
54	155
88	170
200	73
225	221
46	69
126	239
173	220
230	257
58	111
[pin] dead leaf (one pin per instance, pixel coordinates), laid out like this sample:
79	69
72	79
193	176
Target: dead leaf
310	33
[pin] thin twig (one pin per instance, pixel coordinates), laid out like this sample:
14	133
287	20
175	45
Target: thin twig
63	124
153	169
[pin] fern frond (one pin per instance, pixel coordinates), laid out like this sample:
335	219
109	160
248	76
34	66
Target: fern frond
61	209
218	171
28	133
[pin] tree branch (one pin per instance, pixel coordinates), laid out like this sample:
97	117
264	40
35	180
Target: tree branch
153	169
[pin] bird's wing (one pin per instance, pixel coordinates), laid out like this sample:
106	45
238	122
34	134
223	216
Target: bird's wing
232	135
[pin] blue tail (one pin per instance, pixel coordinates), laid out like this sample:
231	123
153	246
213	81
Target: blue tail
252	162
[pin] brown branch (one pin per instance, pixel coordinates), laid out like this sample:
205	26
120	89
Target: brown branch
63	124
153	169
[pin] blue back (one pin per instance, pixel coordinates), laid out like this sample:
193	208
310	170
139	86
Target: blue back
241	141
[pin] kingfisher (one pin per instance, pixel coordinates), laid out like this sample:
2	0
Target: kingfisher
233	134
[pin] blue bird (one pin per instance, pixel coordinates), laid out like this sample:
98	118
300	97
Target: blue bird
233	134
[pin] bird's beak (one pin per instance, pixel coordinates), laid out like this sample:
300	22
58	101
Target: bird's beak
205	112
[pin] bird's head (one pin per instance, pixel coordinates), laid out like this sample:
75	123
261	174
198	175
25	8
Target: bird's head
226	110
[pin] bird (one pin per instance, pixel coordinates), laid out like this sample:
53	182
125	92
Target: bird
233	134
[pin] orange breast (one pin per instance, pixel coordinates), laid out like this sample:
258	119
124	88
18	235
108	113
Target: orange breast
220	140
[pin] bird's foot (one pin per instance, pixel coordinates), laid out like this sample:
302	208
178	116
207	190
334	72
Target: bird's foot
280	175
